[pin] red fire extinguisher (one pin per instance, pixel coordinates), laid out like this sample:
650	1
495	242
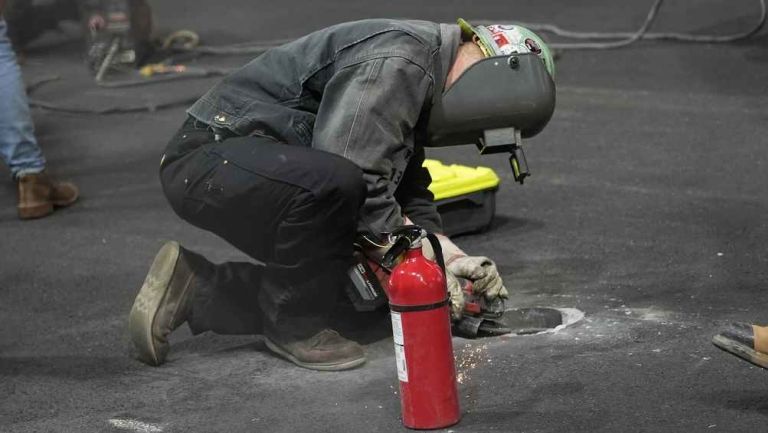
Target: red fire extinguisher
421	329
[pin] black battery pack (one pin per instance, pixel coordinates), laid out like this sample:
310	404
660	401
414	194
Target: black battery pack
365	290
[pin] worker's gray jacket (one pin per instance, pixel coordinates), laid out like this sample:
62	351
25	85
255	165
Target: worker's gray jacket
361	90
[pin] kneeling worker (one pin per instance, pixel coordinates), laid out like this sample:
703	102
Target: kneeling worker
291	159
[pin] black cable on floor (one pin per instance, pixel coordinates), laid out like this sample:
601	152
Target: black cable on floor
259	47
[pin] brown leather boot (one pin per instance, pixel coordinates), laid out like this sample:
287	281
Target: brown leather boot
162	304
325	351
39	195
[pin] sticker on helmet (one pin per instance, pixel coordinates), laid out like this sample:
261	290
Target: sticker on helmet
532	46
508	39
500	39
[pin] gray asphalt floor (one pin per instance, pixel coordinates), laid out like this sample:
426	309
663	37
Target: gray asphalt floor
646	210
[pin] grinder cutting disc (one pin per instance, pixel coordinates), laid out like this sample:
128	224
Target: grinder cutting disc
481	317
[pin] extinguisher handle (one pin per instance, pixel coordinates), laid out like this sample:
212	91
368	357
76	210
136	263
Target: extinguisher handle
404	237
398	247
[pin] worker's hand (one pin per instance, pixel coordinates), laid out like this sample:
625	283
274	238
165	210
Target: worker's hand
96	23
482	272
455	295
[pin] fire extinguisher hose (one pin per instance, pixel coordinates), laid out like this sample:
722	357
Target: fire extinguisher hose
435	243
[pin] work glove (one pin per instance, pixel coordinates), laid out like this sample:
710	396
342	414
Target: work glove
483	274
481	271
455	296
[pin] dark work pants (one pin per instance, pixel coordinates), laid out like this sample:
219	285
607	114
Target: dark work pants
292	208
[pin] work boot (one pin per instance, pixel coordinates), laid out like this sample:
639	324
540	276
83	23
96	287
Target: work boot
325	351
39	195
162	304
749	342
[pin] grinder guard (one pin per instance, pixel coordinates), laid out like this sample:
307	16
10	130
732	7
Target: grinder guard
494	104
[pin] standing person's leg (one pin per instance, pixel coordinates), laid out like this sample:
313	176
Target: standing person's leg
18	146
38	194
292	208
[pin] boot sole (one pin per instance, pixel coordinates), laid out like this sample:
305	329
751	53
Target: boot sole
740	350
65	203
35	211
151	295
44	209
334	366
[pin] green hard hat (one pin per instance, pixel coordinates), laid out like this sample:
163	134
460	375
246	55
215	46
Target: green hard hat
504	39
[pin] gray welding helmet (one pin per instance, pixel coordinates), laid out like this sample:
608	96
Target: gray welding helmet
499	100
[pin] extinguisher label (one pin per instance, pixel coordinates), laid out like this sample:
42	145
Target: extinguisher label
402	366
397	328
397	335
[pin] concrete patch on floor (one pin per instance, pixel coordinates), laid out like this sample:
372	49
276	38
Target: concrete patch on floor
650	314
541	320
134	425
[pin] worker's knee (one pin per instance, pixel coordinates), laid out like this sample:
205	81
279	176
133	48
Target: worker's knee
339	182
347	179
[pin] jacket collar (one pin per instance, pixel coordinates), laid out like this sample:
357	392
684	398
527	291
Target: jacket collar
450	37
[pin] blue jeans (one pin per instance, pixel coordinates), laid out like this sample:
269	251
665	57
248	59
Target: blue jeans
18	147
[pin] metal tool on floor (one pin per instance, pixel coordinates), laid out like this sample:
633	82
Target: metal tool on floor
110	37
118	35
421	329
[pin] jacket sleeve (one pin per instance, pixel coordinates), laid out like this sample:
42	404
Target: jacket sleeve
368	113
414	196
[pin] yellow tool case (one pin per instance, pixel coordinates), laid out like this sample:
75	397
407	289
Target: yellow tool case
465	196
